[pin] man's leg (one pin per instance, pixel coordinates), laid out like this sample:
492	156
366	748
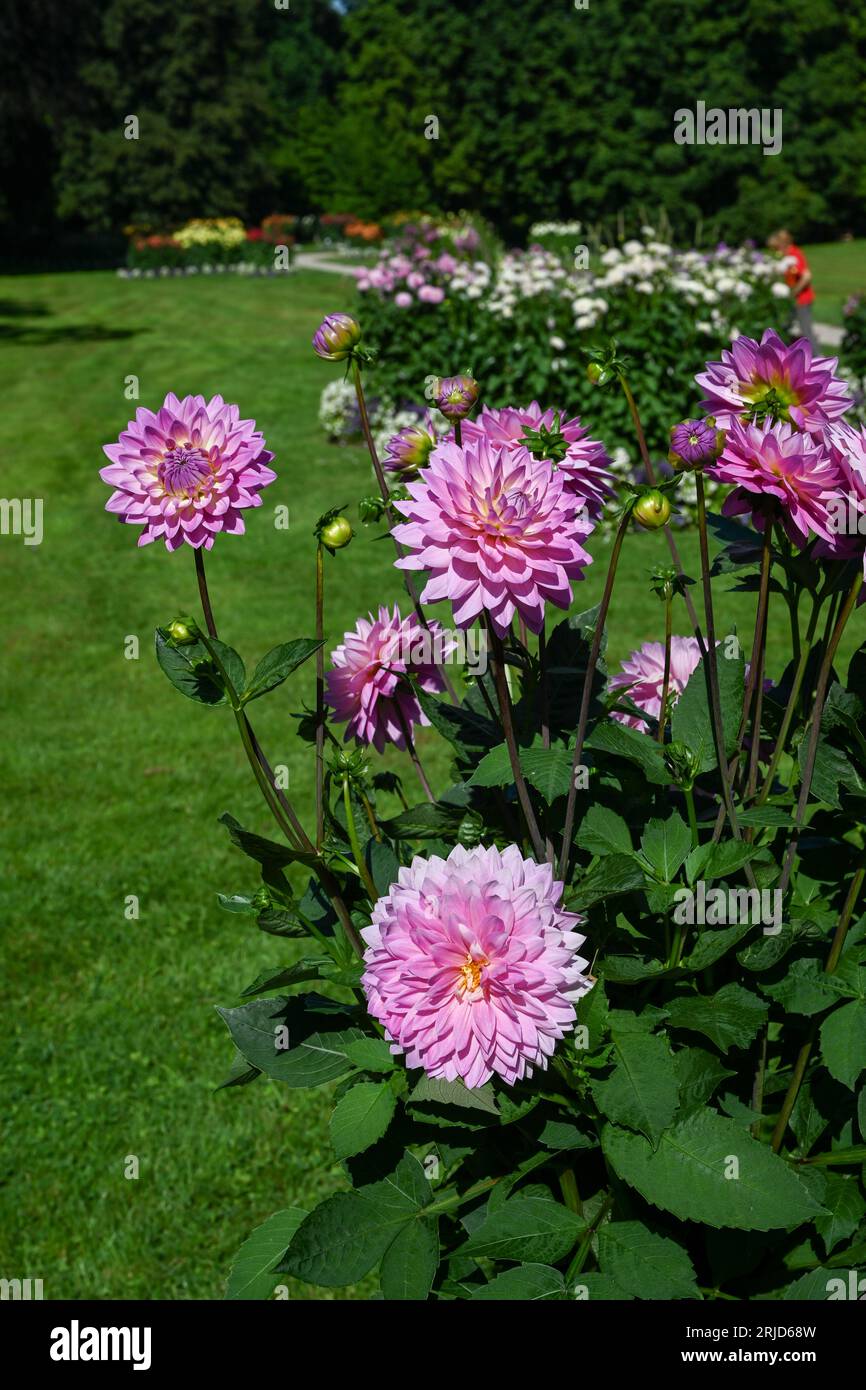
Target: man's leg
804	324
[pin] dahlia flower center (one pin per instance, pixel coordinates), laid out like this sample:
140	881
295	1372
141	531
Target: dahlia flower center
777	386
469	975
183	470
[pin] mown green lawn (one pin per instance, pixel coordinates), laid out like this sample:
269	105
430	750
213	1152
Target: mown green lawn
838	270
113	783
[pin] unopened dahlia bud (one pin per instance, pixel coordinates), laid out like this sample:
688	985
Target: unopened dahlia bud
336	337
653	510
182	631
456	395
336	534
682	764
409	449
695	443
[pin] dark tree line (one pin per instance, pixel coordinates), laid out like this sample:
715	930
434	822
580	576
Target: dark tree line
543	110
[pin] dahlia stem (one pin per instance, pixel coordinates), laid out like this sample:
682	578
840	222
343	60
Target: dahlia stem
371	816
392	517
586	694
458	433
689	798
793	700
650	472
413	753
585	1246
320	697
666	680
497	654
712	668
756	666
352	830
545	690
277	802
815	732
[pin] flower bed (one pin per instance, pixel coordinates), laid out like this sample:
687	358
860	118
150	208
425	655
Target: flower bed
592	1006
210	244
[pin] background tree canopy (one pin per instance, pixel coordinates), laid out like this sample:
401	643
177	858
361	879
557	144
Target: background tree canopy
543	111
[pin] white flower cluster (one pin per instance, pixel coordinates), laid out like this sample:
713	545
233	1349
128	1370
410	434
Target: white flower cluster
336	404
703	280
540	229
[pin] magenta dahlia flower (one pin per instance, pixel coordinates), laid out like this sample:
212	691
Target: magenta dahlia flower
806	392
472	965
187	472
846	447
780	474
695	443
496	531
583	461
368	687
642	677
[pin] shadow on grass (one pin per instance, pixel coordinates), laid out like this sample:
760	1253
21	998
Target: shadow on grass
41	334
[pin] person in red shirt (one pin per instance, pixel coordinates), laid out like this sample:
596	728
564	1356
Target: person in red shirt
798	278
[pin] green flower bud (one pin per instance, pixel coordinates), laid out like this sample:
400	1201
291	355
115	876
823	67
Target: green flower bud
182	631
653	510
337	534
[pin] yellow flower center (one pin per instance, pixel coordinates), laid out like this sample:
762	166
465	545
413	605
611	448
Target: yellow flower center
470	975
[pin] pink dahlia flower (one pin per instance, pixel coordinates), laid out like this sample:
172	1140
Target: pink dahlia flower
643	673
805	387
585	465
187	472
846	447
496	530
779	474
472	965
368	687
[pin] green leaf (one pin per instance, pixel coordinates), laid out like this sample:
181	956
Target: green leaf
691	721
410	1262
629	969
843	1043
280	1036
466	730
268	853
528	1229
309	968
665	844
720	860
763	817
373	1054
806	988
361	1117
192	671
729	1018
623	742
436	1091
616	873
253	1272
845	1207
548	770
602	831
642	1091
427	821
645	1264
699	1073
347	1234
279	663
529	1283
712	944
688	1175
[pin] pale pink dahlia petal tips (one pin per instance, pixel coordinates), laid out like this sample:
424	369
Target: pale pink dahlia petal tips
367	686
187	472
641	677
496	530
472	966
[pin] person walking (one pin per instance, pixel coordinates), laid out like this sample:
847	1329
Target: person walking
798	278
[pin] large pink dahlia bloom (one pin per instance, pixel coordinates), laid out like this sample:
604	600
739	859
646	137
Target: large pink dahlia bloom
368	687
586	465
496	530
779	474
805	386
846	447
642	675
472	965
187	472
